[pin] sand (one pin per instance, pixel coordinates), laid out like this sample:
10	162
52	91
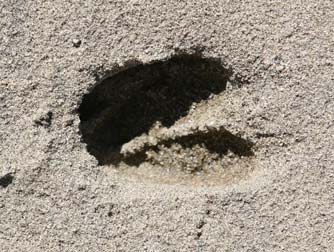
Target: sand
57	192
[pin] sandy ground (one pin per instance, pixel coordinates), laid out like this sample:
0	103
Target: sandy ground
55	197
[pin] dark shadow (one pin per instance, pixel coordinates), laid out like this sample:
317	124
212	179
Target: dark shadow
6	180
128	103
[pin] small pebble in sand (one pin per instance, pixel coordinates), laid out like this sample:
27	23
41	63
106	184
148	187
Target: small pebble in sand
76	42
